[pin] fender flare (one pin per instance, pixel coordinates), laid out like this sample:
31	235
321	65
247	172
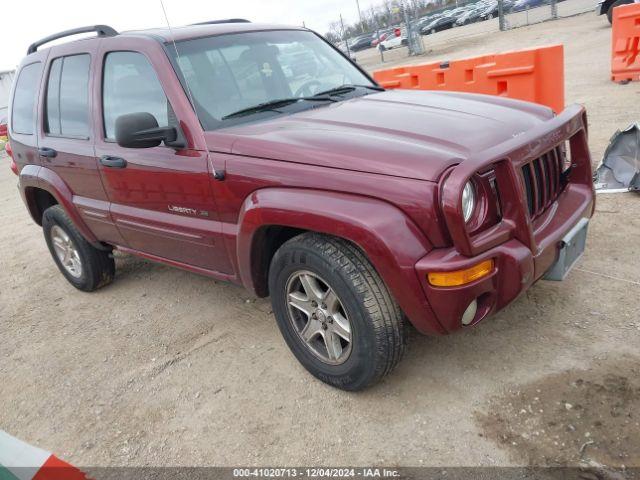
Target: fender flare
36	176
391	241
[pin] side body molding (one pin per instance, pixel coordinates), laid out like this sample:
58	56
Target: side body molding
391	241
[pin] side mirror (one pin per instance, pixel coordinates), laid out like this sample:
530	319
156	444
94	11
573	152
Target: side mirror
141	130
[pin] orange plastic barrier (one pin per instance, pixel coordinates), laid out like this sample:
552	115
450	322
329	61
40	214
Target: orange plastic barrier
625	43
535	75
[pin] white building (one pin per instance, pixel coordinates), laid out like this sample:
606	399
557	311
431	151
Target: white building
6	79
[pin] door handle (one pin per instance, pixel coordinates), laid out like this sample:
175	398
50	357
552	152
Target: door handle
113	162
47	152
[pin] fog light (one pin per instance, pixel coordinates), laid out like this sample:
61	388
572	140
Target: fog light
470	313
460	277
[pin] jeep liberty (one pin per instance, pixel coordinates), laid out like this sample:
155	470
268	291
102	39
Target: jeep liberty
261	155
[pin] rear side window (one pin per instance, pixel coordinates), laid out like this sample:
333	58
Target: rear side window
24	99
68	97
130	85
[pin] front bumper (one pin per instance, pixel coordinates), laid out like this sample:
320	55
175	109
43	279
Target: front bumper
522	248
516	266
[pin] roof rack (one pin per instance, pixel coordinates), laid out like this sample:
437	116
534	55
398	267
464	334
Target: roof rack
101	30
228	20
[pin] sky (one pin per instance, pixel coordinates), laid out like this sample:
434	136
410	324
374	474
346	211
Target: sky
24	21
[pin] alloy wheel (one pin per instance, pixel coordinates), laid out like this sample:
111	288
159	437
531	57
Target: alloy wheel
319	318
66	251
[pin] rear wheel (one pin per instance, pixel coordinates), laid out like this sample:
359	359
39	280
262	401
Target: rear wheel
84	266
335	312
615	4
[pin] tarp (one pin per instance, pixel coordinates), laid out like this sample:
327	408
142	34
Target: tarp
620	167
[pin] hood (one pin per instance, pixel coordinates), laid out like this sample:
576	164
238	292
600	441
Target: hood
403	133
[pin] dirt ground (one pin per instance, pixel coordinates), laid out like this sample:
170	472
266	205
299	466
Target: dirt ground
573	416
165	367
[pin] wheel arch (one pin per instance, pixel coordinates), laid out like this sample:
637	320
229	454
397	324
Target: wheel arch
266	241
41	188
389	239
38	200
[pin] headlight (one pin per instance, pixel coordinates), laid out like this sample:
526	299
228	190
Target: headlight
468	201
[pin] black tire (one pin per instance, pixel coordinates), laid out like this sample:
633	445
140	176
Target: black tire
615	4
97	267
378	336
382	48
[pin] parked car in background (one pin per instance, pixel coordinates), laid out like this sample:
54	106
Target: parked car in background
443	22
382	36
395	39
521	5
470	16
606	7
451	16
425	20
360	43
490	11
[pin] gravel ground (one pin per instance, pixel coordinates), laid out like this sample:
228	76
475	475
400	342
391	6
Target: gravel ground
165	367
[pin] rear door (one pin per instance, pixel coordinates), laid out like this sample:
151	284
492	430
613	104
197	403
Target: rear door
161	197
66	136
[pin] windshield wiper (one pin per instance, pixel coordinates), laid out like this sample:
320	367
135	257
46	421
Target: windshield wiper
348	87
275	104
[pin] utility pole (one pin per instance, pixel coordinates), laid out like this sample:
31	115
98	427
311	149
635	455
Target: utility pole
360	14
501	19
344	37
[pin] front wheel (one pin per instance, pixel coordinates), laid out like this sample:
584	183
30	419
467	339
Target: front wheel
83	265
335	312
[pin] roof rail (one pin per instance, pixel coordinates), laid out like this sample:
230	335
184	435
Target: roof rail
228	20
101	30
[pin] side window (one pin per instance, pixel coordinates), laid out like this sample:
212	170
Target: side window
24	99
67	100
130	85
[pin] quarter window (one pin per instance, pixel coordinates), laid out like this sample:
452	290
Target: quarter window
68	97
130	85
24	99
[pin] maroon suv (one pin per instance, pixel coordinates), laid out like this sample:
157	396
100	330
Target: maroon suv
261	155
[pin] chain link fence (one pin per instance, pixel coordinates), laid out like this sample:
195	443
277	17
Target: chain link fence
519	13
412	31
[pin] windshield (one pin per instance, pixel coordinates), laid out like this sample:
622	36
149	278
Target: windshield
229	73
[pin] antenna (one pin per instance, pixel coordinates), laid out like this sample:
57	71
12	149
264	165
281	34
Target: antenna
175	47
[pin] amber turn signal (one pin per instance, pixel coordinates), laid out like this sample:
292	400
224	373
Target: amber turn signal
460	277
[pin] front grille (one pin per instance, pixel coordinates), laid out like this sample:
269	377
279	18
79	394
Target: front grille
542	180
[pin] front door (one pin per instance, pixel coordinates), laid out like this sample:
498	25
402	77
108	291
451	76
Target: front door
161	198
